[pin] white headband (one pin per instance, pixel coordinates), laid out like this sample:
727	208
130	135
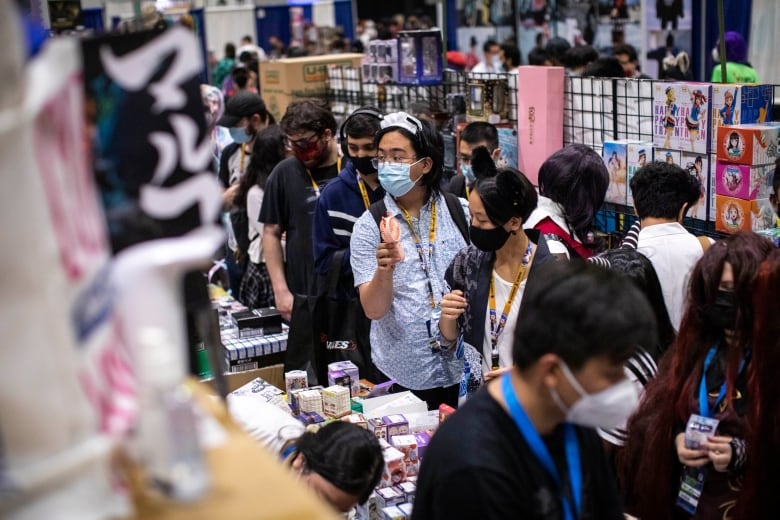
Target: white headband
403	120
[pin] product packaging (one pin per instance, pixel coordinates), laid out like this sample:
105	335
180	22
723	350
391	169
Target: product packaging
335	401
638	154
681	116
754	145
739	104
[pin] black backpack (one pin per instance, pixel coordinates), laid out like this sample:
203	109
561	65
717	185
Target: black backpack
379	210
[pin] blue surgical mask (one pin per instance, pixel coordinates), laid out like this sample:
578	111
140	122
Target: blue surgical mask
395	179
468	173
239	135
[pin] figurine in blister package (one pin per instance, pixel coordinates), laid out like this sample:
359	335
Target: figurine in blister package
728	114
670	115
692	121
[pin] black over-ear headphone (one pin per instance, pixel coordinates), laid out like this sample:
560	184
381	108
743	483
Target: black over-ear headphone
343	129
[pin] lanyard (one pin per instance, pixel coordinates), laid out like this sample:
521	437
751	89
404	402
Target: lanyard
468	192
497	328
363	192
542	454
241	162
431	239
314	184
704	408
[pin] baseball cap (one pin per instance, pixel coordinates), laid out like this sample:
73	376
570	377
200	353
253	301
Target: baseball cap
241	104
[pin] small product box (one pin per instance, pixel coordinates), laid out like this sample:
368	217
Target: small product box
615	155
754	145
698	166
395	470
261	389
419	57
386	73
348	368
357	419
406	509
302	402
668	156
423	439
743	215
445	411
739	105
742	181
335	401
393	513
378	427
408	489
396	425
681	116
310	418
637	155
713	159
407	444
295	380
388	496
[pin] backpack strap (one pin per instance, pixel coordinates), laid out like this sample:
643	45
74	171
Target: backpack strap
456	211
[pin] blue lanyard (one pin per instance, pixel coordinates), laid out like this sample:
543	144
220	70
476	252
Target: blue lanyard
704	408
542	454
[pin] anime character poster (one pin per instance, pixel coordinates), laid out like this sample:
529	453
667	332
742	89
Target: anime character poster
681	116
697	165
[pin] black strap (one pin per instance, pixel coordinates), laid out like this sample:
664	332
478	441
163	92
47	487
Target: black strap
334	272
379	210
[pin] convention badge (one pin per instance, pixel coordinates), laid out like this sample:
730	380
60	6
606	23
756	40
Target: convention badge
698	429
691	486
433	329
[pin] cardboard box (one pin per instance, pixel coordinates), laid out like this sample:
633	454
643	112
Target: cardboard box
339	368
738	105
406	509
335	401
754	145
743	181
395	470
273	374
393	513
282	81
539	117
409	489
668	156
407	444
637	155
698	166
743	215
445	411
423	439
396	425
389	496
378	427
615	155
356	419
681	116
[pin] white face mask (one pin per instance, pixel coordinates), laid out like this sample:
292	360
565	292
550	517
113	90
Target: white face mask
606	409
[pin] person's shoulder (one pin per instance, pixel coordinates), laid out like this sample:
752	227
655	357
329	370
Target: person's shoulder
289	164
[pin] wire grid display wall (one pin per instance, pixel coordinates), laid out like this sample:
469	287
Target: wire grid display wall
347	92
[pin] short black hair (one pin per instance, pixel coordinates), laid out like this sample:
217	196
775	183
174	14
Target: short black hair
556	48
480	132
537	56
362	125
580	311
660	190
776	176
427	142
580	56
604	67
505	192
308	114
626	49
488	44
230	51
512	53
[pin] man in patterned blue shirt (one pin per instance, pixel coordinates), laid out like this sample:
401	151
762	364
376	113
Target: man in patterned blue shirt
401	293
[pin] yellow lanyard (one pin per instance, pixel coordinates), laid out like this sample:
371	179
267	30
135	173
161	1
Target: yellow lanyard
363	192
468	191
431	240
314	184
497	328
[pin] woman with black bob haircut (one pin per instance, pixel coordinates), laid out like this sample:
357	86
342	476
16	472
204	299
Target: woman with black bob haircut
487	279
341	462
573	183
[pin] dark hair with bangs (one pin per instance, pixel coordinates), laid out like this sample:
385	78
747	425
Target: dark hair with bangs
650	483
505	193
580	311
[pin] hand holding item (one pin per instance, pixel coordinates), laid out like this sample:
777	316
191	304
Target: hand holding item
495	373
453	305
687	457
719	450
391	234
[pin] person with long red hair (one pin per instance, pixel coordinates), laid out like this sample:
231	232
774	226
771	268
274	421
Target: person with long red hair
715	369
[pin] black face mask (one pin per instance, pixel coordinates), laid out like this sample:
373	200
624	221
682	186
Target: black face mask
488	240
363	165
721	314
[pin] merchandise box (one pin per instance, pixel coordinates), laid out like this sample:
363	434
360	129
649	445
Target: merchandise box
407	444
281	81
419	57
393	513
738	105
668	156
637	155
262	391
399	403
396	425
339	368
753	145
698	165
539	117
487	100
681	116
743	181
335	401
615	155
713	187
743	215
507	141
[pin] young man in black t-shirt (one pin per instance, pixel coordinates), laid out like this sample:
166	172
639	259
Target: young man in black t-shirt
524	446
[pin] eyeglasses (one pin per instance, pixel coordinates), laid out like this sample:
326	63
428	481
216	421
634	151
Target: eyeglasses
377	161
304	143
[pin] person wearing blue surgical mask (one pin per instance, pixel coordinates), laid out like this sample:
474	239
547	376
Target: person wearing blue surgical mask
472	136
400	274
